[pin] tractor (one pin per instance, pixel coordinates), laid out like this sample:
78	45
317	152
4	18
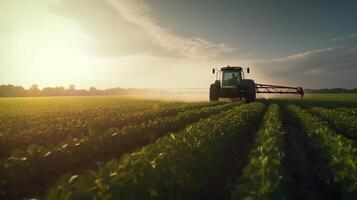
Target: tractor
230	83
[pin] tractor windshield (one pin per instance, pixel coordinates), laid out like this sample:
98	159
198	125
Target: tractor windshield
231	78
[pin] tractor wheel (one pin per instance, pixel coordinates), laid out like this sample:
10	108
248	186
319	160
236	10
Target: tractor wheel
250	93
214	92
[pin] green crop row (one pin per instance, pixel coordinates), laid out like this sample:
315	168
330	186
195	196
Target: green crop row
50	128
350	111
43	165
61	116
175	167
336	149
343	120
261	177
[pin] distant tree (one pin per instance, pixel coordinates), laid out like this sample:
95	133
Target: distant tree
116	91
71	90
48	91
59	91
19	91
71	87
81	92
330	90
12	91
93	91
56	91
16	91
3	91
34	90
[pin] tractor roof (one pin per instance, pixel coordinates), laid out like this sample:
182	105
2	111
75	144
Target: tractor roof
231	68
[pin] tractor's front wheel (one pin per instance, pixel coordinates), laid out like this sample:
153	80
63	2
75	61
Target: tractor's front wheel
214	92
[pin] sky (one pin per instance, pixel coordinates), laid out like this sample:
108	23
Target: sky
176	43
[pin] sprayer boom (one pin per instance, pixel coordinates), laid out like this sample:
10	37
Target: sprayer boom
277	89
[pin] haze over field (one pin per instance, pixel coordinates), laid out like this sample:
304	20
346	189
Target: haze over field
174	44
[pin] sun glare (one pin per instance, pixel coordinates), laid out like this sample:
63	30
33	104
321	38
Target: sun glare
55	58
58	57
46	49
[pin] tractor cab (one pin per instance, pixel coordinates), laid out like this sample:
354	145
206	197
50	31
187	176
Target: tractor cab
231	76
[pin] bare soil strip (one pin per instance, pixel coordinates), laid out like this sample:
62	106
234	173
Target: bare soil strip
305	175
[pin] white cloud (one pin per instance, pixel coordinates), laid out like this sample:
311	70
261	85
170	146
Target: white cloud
345	37
138	12
329	67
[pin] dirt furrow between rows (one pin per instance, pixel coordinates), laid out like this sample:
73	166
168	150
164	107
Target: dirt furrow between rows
304	173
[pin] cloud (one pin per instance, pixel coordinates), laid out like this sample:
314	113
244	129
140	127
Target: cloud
126	27
329	67
138	13
345	37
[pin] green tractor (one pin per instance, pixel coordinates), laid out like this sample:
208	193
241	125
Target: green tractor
230	83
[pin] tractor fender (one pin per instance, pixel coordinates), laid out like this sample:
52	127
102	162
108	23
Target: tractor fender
247	83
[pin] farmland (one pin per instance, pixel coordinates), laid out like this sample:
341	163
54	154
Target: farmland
129	148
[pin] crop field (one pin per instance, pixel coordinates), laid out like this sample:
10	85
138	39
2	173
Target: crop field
113	147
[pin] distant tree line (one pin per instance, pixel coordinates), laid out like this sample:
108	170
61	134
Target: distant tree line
331	90
33	91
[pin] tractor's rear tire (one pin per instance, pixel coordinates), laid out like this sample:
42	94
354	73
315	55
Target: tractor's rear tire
214	92
250	93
